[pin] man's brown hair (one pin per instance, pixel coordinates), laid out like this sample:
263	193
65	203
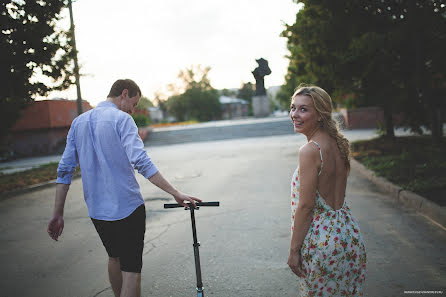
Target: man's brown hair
121	84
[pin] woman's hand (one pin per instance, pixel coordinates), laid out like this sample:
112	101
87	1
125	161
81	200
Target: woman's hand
295	263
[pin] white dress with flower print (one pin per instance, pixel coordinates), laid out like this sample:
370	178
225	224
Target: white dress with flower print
333	251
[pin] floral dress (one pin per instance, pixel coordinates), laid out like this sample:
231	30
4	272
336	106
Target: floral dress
333	251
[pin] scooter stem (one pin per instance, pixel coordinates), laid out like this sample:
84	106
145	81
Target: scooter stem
196	244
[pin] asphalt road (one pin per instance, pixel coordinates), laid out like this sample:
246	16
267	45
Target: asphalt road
244	242
220	130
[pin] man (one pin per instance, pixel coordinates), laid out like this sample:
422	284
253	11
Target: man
105	143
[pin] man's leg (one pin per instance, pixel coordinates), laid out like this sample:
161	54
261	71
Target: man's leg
131	284
115	275
132	238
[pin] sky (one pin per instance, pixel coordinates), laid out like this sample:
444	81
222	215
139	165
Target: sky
151	41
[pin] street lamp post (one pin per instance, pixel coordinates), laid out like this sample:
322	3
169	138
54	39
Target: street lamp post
76	65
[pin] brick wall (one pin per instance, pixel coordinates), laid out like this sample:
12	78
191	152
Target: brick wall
366	117
363	118
49	114
43	127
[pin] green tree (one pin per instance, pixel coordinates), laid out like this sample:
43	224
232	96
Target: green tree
144	103
199	101
246	91
386	52
413	39
31	44
228	93
316	42
141	120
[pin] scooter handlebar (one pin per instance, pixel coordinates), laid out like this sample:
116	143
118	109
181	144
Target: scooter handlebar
175	205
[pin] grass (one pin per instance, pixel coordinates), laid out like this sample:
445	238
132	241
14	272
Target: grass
414	163
162	125
19	180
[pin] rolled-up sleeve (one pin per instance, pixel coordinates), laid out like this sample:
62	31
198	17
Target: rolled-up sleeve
69	160
134	148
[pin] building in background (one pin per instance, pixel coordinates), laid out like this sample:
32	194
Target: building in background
233	108
156	114
43	127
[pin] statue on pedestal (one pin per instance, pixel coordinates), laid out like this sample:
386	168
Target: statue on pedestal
259	73
260	102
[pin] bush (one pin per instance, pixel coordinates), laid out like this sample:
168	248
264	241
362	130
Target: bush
141	120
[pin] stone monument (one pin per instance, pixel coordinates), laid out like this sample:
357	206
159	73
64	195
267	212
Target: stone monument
260	102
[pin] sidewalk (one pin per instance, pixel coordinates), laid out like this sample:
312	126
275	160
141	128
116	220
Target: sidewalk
27	163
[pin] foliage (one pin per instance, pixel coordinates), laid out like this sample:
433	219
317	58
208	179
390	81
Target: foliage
228	93
31	44
141	120
413	163
246	91
198	101
144	103
386	52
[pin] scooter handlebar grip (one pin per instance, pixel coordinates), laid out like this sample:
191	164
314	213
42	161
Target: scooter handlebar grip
176	205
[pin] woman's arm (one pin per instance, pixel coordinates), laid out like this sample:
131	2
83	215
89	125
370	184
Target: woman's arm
309	162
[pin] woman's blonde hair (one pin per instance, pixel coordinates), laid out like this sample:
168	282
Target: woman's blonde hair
323	105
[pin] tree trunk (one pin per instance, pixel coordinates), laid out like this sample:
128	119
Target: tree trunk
388	120
440	116
435	123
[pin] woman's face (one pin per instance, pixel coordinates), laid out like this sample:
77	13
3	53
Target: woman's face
303	115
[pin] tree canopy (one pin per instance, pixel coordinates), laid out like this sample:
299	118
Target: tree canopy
387	53
246	91
196	99
144	103
31	47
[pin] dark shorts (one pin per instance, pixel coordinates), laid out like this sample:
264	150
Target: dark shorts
124	239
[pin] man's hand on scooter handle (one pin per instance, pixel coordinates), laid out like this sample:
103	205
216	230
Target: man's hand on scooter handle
182	198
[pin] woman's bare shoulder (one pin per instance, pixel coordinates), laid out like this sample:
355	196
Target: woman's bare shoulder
309	151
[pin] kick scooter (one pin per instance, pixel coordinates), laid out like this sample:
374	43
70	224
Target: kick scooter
200	292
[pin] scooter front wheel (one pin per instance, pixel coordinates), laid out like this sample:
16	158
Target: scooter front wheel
200	293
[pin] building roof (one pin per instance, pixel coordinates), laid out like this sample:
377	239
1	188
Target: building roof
228	100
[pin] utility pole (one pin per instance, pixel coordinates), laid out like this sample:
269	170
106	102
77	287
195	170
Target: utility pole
76	65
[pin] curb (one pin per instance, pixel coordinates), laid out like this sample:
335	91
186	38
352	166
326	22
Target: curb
406	198
13	193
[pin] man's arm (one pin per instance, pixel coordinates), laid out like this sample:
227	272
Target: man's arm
137	155
65	170
56	224
158	180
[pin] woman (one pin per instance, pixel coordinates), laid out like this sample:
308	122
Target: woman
327	251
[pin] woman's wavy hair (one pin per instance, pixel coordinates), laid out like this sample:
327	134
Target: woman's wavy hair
323	104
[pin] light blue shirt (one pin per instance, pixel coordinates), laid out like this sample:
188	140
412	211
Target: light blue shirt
105	143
